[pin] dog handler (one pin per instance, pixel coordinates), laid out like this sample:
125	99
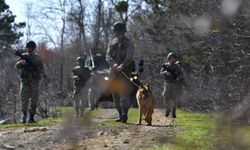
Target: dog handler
120	55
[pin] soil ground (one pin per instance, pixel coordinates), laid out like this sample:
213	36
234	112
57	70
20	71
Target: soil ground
85	134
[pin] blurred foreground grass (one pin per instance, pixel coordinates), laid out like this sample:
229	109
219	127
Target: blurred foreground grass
198	131
63	112
202	132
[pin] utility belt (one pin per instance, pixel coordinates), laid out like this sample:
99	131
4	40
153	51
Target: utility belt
79	84
30	75
172	81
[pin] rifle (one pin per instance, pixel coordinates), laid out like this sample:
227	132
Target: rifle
174	76
172	72
28	61
31	65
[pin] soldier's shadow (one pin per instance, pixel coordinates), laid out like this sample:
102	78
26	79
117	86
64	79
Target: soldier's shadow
153	125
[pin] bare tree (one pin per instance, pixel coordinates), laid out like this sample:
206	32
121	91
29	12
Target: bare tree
54	13
126	8
97	25
76	16
106	20
28	12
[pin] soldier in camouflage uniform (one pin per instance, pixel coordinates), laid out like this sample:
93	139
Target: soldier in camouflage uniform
173	76
120	55
81	75
30	77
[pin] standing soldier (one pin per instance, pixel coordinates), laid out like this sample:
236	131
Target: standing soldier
173	76
81	74
94	90
32	68
120	55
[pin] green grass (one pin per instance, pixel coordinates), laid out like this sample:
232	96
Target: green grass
201	132
63	111
246	134
43	122
198	131
197	134
132	118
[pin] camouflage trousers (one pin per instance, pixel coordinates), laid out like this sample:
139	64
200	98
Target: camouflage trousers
29	92
121	89
171	95
93	98
80	97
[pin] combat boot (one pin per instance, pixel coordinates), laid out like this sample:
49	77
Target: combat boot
31	118
124	118
81	114
76	112
167	112
76	115
24	117
173	114
119	119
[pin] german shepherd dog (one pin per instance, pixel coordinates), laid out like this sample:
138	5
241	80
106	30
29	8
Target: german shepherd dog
145	103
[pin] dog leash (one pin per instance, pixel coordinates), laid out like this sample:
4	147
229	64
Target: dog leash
129	79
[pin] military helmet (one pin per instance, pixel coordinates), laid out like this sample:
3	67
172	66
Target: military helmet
31	44
171	55
80	59
119	27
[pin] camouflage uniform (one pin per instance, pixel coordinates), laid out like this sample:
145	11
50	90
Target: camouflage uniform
30	78
80	88
121	52
94	90
172	87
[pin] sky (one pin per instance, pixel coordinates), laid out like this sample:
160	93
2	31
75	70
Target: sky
201	25
18	8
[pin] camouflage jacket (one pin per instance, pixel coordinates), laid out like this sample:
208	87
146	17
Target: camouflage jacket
174	70
121	52
32	71
83	73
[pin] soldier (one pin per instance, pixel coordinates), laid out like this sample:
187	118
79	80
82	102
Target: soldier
31	72
173	76
94	90
81	74
120	55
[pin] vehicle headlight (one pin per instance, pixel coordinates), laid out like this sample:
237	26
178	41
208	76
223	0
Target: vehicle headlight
106	78
131	79
135	77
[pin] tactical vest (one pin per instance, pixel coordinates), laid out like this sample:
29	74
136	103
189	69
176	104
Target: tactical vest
119	54
32	71
83	73
173	69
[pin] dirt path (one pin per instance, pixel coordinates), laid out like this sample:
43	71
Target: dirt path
82	134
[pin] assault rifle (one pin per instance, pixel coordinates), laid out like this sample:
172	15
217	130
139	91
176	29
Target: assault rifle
31	66
171	71
174	75
28	61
